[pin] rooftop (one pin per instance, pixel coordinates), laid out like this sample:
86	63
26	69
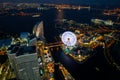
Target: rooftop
5	42
22	50
24	34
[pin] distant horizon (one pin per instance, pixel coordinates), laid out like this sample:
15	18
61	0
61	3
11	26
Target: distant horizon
74	2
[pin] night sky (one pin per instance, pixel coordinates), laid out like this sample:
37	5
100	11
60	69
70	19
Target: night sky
90	2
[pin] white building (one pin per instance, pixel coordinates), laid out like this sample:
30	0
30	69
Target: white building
25	64
38	31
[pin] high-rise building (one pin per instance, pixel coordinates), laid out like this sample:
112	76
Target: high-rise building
11	55
24	62
38	30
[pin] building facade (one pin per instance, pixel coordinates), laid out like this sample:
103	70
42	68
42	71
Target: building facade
24	62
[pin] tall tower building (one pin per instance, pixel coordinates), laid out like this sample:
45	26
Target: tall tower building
38	30
25	63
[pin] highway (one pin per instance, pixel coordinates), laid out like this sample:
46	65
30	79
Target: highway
47	61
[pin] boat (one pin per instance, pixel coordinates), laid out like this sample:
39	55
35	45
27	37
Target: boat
97	21
36	15
103	22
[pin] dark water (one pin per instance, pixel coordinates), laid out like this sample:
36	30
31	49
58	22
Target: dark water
115	52
83	71
17	24
88	68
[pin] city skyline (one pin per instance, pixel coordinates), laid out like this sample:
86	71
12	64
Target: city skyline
59	40
78	2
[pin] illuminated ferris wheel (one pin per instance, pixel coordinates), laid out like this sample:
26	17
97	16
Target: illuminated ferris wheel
69	38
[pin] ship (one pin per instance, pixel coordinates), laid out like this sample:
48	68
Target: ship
102	22
97	21
36	15
108	23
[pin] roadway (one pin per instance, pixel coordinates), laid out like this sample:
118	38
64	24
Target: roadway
108	56
46	59
66	74
6	71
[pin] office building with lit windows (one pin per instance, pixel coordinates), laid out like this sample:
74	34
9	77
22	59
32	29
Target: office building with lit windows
24	62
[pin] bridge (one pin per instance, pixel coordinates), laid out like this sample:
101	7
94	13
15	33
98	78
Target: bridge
64	6
55	44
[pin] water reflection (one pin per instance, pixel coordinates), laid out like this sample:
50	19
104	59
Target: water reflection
60	14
